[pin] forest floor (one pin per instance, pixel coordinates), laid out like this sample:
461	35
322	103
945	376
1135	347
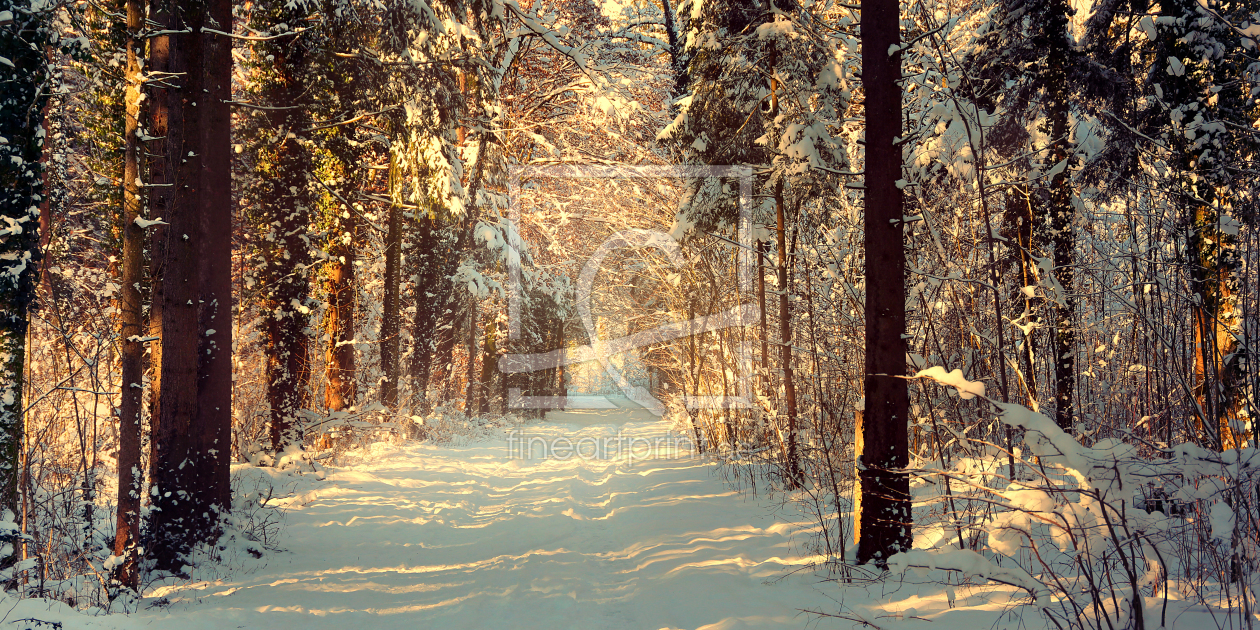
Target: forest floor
473	535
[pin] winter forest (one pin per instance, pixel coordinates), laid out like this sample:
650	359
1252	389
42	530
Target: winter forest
629	314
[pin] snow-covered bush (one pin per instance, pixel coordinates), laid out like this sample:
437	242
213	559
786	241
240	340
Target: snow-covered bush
1099	536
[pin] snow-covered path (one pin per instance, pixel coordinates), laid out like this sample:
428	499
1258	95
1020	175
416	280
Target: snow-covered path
478	536
422	536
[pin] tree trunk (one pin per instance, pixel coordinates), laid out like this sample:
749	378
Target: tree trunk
793	464
390	324
471	386
160	194
176	524
1218	364
130	476
489	364
442	374
214	404
45	217
1202	188
677	55
192	280
446	323
762	246
1062	213
288	366
429	264
558	382
883	522
22	84
341	385
285	210
1020	215
339	370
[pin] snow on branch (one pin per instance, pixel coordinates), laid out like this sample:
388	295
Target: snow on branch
966	389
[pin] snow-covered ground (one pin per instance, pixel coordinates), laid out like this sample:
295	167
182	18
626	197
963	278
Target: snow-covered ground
644	535
472	536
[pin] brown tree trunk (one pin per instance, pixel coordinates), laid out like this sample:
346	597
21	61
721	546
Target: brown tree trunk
286	205
883	521
557	380
429	264
793	464
339	370
1021	216
192	289
1062	233
175	278
471	386
130	475
762	246
489	364
214	404
287	370
390	324
341	385
442	373
160	194
1218	364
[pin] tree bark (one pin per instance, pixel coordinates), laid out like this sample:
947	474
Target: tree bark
1062	213
216	306
131	329
762	246
883	522
1203	188
287	367
447	320
489	365
792	467
285	210
677	55
341	385
192	258
471	386
1218	364
175	523
22	92
793	464
390	324
429	264
160	185
339	370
